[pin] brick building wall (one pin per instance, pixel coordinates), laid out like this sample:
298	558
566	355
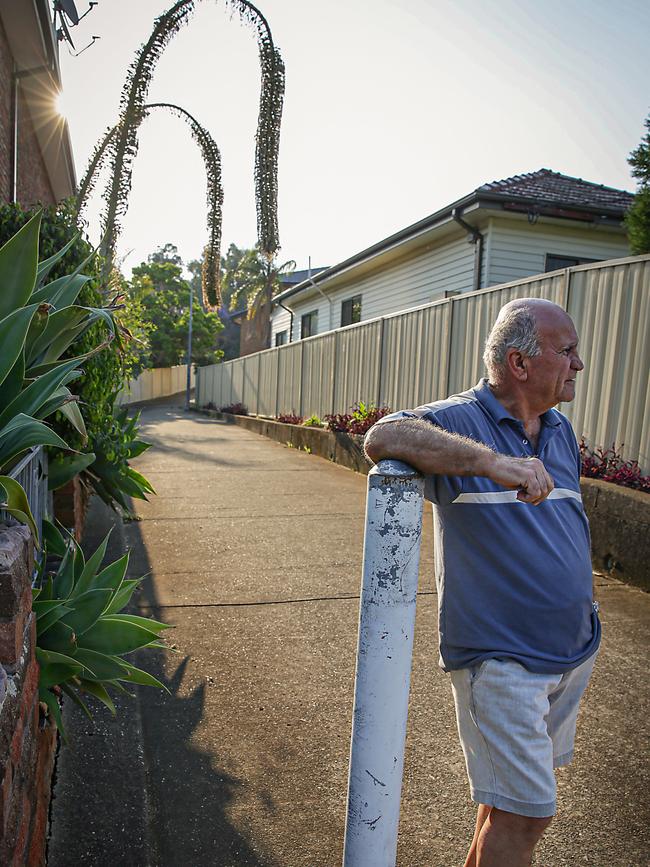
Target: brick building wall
33	185
27	739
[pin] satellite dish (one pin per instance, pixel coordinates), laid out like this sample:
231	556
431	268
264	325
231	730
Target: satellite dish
69	10
64	33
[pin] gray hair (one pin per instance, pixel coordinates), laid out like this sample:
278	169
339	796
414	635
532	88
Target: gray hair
515	328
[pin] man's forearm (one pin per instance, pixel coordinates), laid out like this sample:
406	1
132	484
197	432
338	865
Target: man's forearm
428	449
434	452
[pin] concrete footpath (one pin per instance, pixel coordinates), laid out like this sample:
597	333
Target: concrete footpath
254	553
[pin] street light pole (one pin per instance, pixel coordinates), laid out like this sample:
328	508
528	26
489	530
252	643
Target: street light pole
189	351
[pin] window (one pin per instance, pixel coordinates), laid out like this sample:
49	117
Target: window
553	262
351	311
309	324
281	338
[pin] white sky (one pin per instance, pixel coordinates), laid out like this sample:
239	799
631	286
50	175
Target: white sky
393	109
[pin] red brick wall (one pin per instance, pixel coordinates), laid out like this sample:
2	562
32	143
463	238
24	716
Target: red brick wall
71	505
32	184
27	739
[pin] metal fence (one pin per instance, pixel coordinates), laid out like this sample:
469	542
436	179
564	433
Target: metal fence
159	382
31	473
427	353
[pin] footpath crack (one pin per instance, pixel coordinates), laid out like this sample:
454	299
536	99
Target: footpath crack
264	602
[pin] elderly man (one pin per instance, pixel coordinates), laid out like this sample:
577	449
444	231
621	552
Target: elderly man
518	628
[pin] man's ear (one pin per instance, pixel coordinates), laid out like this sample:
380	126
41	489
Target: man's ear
517	365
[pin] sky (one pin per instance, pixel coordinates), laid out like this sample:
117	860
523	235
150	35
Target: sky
393	109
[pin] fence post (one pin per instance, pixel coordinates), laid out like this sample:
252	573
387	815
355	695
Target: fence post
391	560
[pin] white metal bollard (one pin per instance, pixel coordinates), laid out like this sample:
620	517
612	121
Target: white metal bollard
391	559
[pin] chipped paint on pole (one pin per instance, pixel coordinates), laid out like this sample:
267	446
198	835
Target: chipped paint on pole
391	560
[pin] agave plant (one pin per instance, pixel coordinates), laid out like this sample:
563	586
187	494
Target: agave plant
39	321
211	273
124	144
110	474
82	633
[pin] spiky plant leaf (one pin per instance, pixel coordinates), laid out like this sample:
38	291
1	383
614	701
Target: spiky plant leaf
13	333
13	500
116	637
94	687
48	698
18	264
44	267
62	470
91	566
122	597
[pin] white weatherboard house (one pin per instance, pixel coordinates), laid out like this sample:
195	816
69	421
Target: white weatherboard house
503	231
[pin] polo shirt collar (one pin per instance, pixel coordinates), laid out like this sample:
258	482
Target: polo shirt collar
498	411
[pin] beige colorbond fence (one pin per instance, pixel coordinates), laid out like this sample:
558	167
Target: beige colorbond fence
425	354
159	382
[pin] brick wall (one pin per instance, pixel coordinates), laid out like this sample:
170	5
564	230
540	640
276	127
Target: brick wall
71	505
32	183
27	739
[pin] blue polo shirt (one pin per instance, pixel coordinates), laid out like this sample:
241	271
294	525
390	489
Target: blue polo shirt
514	580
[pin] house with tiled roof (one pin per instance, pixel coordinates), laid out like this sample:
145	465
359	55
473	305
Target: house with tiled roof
502	231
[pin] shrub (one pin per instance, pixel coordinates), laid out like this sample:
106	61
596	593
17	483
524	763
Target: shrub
234	409
338	421
312	421
290	418
94	428
610	466
359	421
39	322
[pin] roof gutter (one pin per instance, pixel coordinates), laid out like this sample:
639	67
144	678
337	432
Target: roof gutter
291	314
475	238
326	297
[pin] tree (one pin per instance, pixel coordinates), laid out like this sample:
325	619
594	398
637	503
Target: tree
246	273
637	219
159	286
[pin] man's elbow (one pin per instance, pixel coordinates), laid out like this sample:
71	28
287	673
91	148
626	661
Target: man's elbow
372	445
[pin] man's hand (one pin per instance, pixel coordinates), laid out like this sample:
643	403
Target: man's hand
528	475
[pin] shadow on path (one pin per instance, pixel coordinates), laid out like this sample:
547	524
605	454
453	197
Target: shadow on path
134	790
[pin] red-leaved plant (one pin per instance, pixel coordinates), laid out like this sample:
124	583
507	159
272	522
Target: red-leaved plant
290	418
359	421
234	408
610	466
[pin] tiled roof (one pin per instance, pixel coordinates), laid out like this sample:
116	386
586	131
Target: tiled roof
294	277
547	186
